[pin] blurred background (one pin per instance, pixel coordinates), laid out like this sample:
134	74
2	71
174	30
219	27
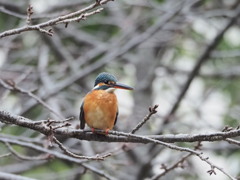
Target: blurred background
152	45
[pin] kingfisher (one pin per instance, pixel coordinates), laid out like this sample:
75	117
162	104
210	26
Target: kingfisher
99	109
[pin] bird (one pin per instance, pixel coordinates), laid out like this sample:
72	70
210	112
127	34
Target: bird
99	109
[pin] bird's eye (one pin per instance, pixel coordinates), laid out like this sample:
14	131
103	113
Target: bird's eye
109	82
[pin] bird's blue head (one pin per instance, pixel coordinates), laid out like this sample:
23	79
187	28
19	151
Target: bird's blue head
105	81
105	78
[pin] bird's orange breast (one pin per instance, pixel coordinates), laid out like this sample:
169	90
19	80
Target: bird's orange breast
100	109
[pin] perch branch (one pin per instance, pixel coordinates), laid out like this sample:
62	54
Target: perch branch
114	136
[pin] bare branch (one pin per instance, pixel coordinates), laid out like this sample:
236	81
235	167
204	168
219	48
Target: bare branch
51	121
12	13
170	168
11	85
81	17
5	155
6	176
23	157
233	141
114	136
61	146
152	110
52	22
29	14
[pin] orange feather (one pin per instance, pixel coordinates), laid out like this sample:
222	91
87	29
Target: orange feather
100	109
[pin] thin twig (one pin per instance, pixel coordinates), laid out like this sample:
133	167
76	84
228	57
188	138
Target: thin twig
233	141
52	22
28	158
29	14
12	13
61	126
81	17
5	155
170	168
51	121
152	110
11	85
61	146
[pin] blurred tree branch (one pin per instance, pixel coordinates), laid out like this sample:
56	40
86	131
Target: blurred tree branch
54	154
200	61
166	169
82	14
6	176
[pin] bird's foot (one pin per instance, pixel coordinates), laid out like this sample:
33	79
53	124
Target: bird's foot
106	131
100	133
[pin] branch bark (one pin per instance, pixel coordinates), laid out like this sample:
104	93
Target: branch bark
61	19
114	136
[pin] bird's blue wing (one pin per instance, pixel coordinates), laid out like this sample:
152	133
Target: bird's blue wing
116	118
81	117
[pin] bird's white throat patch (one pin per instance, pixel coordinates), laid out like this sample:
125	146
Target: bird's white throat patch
96	87
110	90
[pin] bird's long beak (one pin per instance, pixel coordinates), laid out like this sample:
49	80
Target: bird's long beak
122	86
